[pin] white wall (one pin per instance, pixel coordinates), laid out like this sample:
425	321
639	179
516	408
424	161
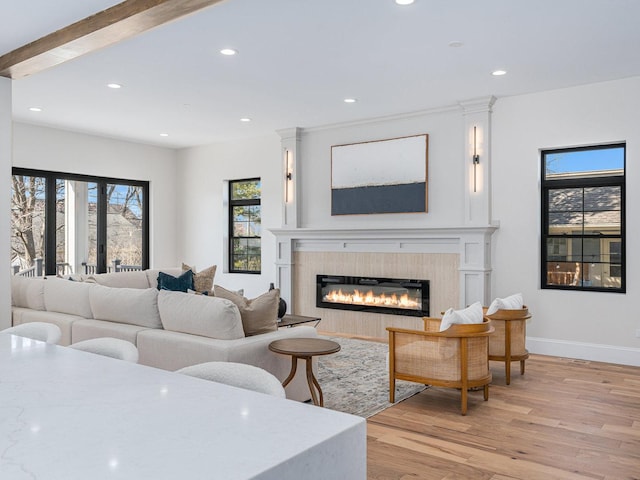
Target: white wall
5	199
63	151
581	324
202	225
203	171
445	174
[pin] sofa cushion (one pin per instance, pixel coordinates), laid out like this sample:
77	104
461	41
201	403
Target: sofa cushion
182	283
259	315
63	320
27	292
202	280
76	277
64	296
86	329
135	279
133	306
175	350
199	315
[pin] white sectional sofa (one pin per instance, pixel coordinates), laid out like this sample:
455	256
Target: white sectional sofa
172	330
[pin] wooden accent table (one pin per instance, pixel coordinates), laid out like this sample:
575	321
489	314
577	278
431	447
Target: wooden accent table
305	349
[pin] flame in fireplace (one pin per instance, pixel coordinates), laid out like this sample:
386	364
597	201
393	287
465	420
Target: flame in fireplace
371	299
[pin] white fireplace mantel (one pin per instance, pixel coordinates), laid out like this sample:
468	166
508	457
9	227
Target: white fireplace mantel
471	243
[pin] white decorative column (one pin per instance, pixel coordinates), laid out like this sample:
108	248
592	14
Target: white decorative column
477	186
284	267
76	224
475	268
290	148
290	143
475	260
5	199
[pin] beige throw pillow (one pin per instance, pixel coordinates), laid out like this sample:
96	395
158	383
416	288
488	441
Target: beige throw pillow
203	280
259	315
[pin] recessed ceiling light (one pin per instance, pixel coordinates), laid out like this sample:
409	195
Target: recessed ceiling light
245	119
350	100
498	73
164	134
456	44
228	51
35	109
114	85
404	2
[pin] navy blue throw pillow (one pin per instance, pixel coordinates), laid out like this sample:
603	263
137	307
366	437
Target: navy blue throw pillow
177	284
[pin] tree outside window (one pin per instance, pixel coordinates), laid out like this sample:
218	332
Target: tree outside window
67	223
27	220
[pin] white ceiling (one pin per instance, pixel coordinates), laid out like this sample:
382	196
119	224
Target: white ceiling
298	60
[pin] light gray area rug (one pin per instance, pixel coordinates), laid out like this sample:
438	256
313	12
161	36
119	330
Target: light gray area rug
356	379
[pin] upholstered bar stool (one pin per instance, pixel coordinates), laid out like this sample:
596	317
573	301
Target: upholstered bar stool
507	344
109	347
238	375
43	331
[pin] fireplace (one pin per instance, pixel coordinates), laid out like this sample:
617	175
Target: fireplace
371	294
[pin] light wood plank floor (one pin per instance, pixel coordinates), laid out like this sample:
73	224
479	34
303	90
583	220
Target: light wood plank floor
563	420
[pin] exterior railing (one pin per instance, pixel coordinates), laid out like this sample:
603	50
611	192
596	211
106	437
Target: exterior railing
37	270
116	266
89	269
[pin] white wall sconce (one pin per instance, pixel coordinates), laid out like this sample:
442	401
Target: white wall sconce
475	159
288	176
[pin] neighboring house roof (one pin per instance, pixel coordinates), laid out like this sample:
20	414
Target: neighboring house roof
595	208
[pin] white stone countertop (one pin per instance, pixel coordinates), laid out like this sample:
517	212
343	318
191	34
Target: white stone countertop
68	415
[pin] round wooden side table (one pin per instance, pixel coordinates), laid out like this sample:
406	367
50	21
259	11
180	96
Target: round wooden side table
305	349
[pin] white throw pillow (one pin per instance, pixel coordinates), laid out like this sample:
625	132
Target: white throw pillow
471	314
512	302
67	296
200	315
134	306
27	292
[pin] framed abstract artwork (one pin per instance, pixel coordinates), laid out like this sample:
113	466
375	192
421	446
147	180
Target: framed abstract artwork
381	176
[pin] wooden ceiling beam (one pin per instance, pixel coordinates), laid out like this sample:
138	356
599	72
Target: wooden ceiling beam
97	31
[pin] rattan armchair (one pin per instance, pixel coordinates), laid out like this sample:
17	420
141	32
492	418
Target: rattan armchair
456	358
507	344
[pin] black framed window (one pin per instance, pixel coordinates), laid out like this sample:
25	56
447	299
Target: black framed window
65	223
245	226
583	218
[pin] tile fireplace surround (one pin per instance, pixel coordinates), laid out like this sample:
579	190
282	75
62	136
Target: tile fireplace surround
456	260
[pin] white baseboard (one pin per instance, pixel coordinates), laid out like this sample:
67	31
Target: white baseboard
584	351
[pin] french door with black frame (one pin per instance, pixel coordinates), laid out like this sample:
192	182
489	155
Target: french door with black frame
68	223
